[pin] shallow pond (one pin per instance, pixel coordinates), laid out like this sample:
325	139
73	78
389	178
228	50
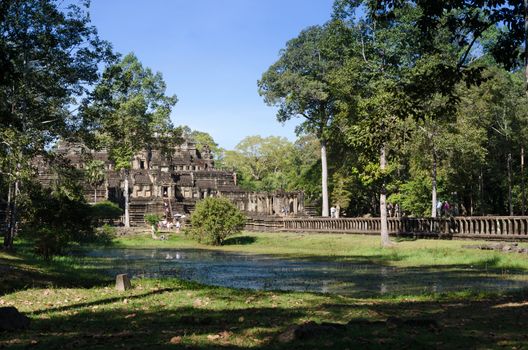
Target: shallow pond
265	272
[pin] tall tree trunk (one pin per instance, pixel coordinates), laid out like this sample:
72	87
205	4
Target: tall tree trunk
433	190
526	92
385	241
13	216
523	193
481	194
510	205
324	179
106	189
127	213
526	46
14	227
8	217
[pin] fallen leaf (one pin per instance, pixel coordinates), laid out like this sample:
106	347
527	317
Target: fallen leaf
213	336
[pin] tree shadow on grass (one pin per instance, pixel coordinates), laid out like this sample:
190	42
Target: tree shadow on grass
399	239
456	324
22	271
103	301
240	240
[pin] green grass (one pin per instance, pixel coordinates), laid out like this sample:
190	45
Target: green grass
72	307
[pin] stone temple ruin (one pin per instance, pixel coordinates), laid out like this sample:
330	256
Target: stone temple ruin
173	184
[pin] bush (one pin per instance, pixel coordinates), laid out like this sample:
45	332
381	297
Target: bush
106	234
52	220
106	211
152	219
215	219
50	242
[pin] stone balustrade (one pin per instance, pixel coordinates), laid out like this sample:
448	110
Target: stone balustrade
485	227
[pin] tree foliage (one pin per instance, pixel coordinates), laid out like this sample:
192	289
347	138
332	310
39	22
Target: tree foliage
436	85
215	219
106	211
56	216
274	163
299	85
129	109
131	112
49	57
203	139
95	174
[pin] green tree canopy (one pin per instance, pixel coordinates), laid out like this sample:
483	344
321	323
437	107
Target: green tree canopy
130	111
49	57
298	84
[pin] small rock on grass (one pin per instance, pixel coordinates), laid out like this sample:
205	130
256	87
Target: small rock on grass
123	282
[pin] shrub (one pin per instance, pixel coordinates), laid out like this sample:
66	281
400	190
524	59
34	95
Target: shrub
106	234
152	219
106	211
52	219
49	242
214	219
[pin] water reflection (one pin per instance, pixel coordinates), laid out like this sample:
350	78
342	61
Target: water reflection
271	273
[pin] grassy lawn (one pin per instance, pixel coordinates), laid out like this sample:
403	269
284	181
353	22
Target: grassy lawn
71	306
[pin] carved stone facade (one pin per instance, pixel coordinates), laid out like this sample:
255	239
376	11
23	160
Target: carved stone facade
171	184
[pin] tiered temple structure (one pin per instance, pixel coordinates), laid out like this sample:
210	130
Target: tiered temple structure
170	184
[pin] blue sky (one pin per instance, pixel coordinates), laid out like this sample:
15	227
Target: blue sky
211	54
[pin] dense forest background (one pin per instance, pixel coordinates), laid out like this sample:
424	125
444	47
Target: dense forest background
442	90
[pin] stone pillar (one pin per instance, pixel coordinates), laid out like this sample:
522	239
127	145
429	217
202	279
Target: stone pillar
123	282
